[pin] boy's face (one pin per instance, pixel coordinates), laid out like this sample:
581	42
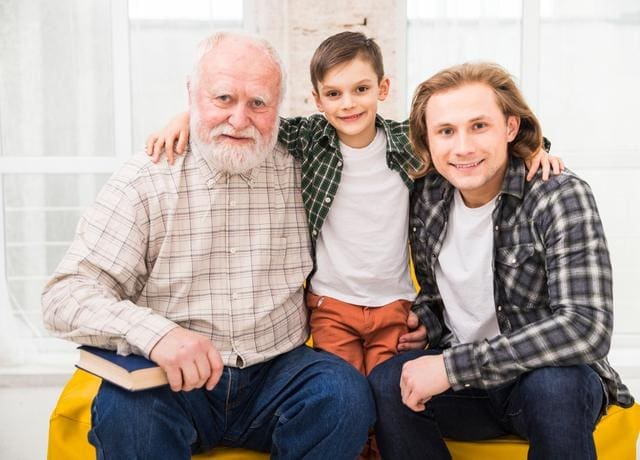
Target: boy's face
468	136
348	96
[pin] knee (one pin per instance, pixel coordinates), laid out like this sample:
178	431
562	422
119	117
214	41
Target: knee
115	411
562	392
351	394
385	378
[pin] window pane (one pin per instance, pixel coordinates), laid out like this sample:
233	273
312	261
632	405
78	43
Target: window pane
589	74
442	33
41	213
164	37
56	88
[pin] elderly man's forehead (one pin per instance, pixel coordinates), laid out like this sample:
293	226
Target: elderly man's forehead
239	51
243	62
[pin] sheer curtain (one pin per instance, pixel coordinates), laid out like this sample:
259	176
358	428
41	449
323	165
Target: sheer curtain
82	83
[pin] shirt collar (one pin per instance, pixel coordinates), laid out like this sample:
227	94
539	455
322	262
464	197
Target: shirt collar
515	178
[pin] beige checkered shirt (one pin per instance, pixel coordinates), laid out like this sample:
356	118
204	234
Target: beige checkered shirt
186	245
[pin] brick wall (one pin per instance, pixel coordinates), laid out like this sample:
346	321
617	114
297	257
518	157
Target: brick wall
297	27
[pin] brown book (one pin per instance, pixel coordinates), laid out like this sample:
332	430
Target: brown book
132	372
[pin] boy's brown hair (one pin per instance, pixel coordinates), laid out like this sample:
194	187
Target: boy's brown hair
508	96
341	48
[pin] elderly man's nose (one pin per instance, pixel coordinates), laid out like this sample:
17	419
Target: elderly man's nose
239	117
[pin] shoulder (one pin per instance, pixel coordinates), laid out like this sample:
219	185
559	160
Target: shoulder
561	187
139	177
562	199
282	160
397	130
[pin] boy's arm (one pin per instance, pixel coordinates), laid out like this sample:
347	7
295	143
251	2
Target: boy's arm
297	134
172	139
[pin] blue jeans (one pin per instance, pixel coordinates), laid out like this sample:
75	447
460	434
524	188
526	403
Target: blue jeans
304	404
554	408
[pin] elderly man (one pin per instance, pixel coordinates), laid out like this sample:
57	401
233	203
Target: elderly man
199	266
515	285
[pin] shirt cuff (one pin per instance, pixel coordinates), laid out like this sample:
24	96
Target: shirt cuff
146	332
462	368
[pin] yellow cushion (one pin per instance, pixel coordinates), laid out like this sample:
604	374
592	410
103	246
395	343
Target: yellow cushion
615	435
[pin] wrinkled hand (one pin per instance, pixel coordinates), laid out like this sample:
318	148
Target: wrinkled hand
421	379
172	139
189	359
543	160
416	338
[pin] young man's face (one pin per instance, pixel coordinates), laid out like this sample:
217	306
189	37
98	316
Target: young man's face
348	96
468	136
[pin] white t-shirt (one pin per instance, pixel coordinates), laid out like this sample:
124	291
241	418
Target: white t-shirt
362	250
464	275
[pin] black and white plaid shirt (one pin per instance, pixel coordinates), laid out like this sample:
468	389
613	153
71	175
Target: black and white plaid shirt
552	281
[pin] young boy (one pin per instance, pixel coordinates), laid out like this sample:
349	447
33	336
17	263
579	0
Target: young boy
356	179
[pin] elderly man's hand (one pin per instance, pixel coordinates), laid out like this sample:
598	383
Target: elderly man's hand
189	359
421	379
416	338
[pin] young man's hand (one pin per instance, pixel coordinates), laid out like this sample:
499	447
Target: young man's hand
416	338
421	379
172	139
189	359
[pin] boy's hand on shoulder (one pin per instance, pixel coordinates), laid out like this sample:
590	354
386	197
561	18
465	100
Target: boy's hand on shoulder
548	163
416	338
172	139
189	359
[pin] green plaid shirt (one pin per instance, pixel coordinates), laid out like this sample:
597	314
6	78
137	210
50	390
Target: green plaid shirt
315	142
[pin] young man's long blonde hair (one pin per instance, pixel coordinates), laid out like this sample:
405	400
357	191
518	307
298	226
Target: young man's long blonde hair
508	96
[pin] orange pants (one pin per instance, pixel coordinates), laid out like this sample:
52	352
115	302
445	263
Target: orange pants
362	336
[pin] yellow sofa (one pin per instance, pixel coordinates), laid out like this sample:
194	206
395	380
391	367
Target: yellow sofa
615	436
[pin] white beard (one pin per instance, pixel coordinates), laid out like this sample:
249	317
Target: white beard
229	158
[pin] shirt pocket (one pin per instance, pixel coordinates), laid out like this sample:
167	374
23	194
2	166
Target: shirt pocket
521	278
514	256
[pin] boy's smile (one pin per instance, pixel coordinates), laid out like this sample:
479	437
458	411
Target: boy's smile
348	96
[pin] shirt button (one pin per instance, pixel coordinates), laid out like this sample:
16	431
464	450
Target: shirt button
234	296
232	203
513	261
496	228
467	385
414	229
499	307
232	250
314	233
339	163
500	197
327	200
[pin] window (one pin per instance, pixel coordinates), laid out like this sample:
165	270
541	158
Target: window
83	83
